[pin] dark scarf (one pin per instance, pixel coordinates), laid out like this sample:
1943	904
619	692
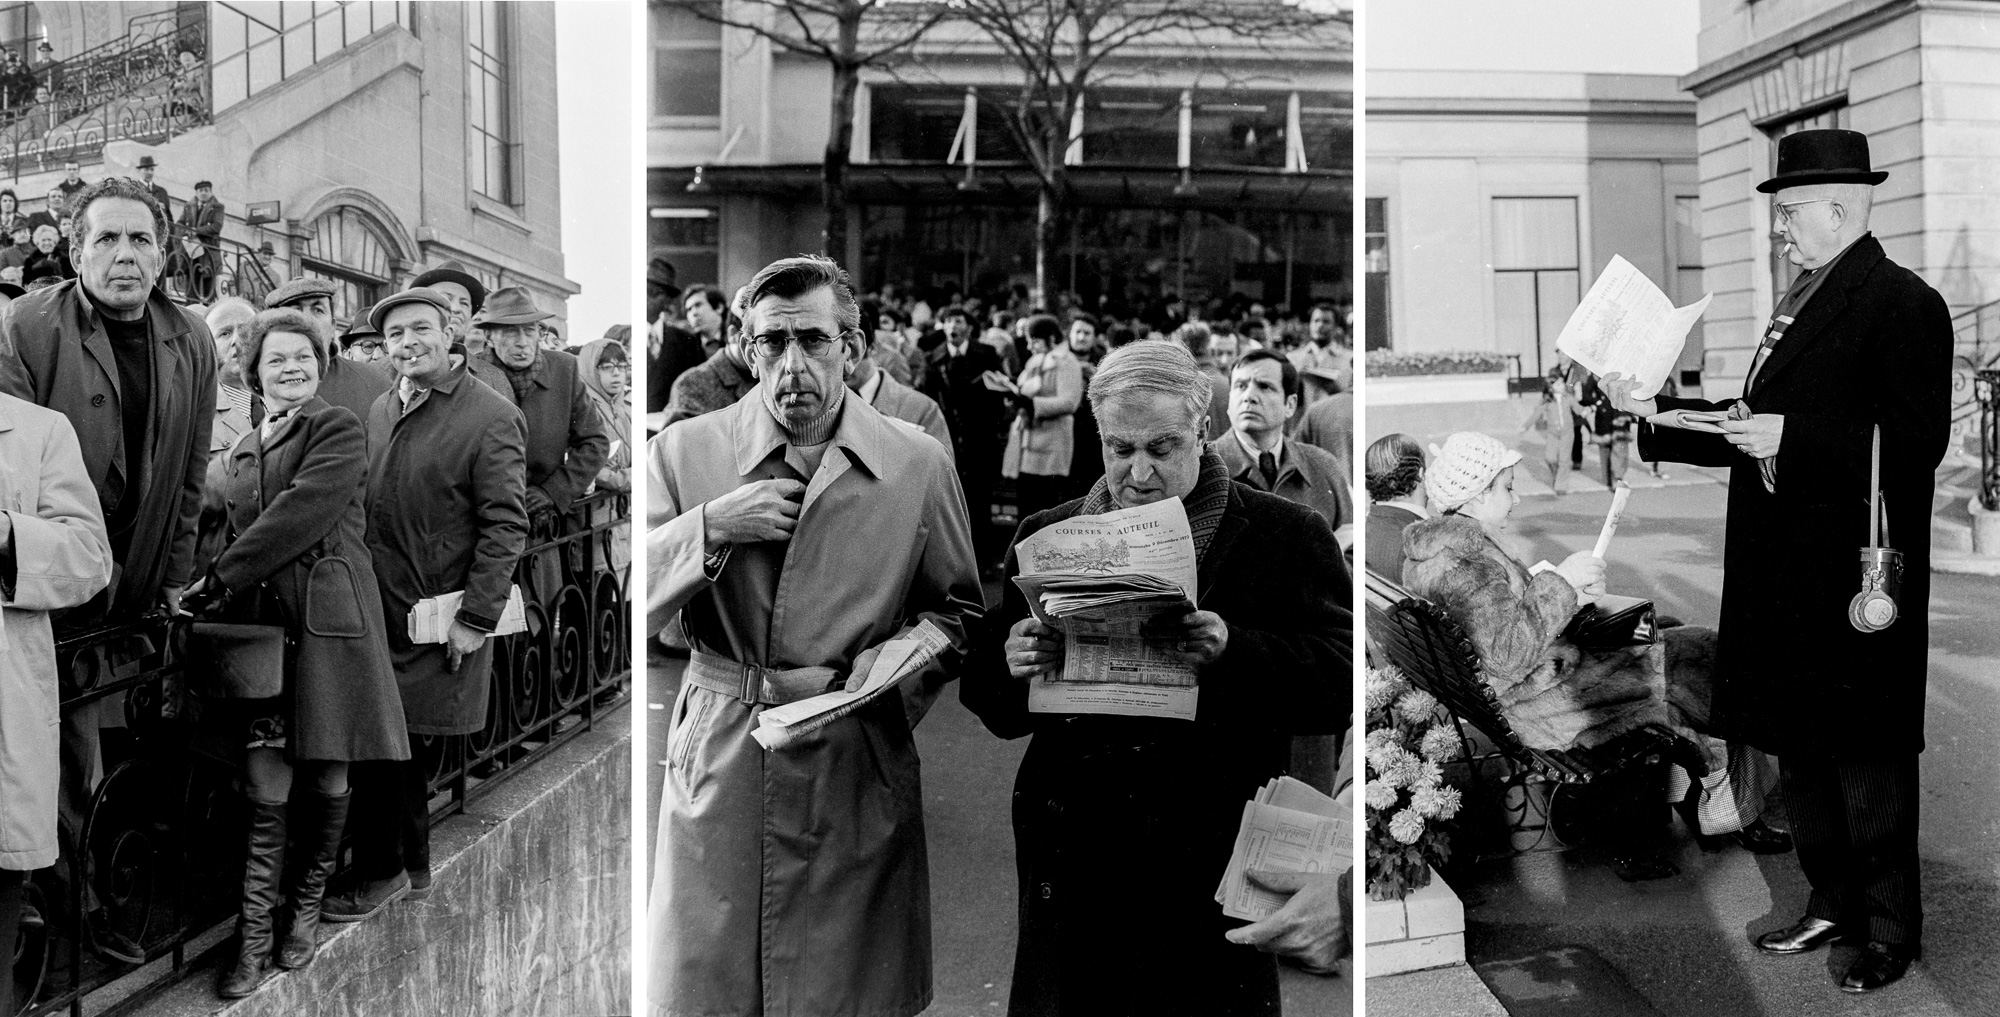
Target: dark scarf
1205	504
523	379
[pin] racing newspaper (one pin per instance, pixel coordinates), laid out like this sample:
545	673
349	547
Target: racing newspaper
1625	324
1100	579
1288	827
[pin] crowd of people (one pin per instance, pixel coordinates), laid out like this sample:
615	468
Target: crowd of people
824	480
289	494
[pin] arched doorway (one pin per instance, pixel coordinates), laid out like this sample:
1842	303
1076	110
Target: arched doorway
350	249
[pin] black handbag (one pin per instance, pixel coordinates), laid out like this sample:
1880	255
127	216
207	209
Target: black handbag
1874	608
1611	623
228	660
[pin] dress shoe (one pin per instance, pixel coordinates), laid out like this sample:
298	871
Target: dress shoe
365	901
1759	839
1879	964
1805	935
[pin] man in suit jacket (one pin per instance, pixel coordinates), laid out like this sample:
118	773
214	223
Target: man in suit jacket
878	388
1858	343
973	415
147	167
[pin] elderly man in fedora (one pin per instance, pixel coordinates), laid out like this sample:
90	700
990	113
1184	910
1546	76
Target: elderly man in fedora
350	383
445	490
1858	346
147	167
566	438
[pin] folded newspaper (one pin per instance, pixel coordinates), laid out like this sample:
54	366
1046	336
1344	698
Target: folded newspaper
901	657
1625	324
1102	579
1288	827
431	617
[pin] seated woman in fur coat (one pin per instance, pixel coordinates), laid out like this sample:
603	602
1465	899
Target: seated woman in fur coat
1556	694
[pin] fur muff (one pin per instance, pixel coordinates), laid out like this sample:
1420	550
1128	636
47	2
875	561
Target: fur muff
1555	694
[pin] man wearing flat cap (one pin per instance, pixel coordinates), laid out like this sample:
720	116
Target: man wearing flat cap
1858	346
465	293
201	220
566	440
344	382
446	477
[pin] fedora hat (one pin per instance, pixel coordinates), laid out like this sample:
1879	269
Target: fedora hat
453	272
360	326
146	162
1822	157
513	305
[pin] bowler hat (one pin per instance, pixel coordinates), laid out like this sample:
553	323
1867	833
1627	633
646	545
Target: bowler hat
513	305
453	272
297	290
413	295
1822	157
146	162
266	248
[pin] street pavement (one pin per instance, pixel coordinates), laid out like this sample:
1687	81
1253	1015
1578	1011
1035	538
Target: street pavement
968	785
1684	943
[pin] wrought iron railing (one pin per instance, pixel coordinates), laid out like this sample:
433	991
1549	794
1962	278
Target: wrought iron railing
1975	348
134	87
230	269
1986	392
162	840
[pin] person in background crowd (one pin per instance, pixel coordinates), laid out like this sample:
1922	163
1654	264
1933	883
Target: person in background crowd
1273	628
1329	423
11	217
72	180
607	377
705	312
52	213
1195	336
295	494
466	294
1000	336
1083	340
256	278
48	259
566	438
828	835
1086	462
361	343
1263	397
233	419
715	383
973	413
446	490
1224	346
670	348
201	221
1394	466
147	167
1323	348
1042	436
345	382
16	255
135	375
888	349
893	399
54	554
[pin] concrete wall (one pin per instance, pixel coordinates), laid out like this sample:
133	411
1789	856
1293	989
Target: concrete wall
1442	145
1920	77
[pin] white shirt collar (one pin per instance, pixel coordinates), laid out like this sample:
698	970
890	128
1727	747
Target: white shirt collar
1277	451
870	387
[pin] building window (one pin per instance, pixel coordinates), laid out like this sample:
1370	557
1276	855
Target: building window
1535	277
687	60
1376	239
347	249
690	239
257	45
1834	116
1687	279
489	129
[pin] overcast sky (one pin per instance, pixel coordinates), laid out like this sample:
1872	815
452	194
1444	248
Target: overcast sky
594	103
1602	36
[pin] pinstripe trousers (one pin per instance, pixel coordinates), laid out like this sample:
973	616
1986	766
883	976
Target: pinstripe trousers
1854	823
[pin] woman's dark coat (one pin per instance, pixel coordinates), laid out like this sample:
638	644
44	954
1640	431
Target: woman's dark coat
298	559
1872	346
1123	825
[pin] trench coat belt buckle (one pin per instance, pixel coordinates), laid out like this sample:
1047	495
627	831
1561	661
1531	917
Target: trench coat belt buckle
752	684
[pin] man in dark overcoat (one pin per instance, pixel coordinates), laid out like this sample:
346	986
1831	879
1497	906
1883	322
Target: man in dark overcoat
201	220
135	375
446	481
1857	343
566	439
1272	645
973	414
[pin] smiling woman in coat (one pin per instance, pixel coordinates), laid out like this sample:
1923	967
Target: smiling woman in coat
53	555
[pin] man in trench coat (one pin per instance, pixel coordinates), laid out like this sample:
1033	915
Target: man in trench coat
135	375
1858	342
792	533
445	492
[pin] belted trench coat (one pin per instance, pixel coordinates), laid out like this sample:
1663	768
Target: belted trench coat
795	882
61	559
445	512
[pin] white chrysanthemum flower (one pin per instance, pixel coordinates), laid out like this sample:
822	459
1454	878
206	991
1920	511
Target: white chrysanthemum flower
1406	826
1428	774
1416	706
1382	685
1425	801
1439	744
1380	796
1386	753
1403	770
1449	802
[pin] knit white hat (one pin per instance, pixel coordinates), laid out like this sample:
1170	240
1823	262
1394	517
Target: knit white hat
1465	466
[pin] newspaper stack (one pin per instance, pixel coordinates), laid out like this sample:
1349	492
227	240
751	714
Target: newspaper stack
1101	579
1288	827
431	617
782	726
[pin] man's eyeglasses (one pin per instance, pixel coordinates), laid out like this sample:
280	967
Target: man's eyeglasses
813	346
1784	208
